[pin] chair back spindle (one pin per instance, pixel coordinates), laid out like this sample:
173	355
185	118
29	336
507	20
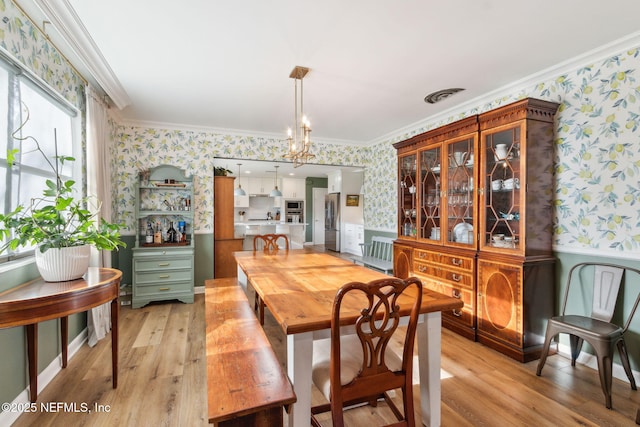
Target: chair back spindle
362	367
269	242
606	285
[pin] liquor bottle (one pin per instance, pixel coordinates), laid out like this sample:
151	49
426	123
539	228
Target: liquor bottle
171	234
182	227
157	236
149	233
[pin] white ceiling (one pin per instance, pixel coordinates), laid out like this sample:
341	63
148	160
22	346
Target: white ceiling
226	64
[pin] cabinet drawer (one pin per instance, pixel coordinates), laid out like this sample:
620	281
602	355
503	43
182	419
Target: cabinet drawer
464	315
163	252
157	289
169	263
463	263
161	276
442	272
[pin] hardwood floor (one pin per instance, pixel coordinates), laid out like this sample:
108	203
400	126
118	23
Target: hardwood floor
162	381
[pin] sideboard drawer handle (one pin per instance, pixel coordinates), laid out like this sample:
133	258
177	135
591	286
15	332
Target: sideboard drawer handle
455	293
456	261
164	289
456	277
457	313
164	276
422	255
422	268
164	264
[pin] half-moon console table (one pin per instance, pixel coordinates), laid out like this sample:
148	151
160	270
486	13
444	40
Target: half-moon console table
36	301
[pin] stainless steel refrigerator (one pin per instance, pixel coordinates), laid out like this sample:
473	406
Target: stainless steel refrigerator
332	222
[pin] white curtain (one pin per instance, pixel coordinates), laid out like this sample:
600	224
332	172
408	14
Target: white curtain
99	188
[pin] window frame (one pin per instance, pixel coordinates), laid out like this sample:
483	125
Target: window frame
17	76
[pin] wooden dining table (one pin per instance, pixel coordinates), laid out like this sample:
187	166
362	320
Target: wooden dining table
298	288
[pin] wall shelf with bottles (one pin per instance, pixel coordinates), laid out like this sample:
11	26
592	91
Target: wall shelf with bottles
164	204
163	255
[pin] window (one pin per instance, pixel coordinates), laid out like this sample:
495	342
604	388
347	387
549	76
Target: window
51	122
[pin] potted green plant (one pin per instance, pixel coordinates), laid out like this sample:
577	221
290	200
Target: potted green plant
58	223
220	171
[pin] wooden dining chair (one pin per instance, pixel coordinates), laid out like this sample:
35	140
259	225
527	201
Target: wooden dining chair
596	328
362	368
269	244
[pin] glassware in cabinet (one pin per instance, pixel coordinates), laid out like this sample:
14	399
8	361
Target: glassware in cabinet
162	206
502	195
430	194
407	212
460	207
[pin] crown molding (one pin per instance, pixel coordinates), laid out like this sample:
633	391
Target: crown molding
225	131
461	110
65	20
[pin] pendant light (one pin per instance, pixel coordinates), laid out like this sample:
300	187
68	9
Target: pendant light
239	191
299	138
275	192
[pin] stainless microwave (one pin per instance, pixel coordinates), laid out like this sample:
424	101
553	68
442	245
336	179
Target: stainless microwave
294	205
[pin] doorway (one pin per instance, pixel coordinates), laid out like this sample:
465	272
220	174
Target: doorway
318	215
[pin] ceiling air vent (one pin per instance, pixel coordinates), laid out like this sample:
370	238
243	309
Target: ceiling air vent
438	96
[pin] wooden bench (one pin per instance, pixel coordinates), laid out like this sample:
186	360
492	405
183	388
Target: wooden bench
246	385
377	255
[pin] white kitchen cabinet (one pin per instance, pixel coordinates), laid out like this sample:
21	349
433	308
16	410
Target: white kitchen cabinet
334	182
261	185
353	237
297	236
241	201
243	181
293	188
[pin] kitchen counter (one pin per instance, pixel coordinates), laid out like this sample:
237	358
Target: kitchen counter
248	229
267	222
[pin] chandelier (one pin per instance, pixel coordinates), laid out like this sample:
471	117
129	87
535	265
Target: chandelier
299	143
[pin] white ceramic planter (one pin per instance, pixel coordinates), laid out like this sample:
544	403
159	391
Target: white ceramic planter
62	264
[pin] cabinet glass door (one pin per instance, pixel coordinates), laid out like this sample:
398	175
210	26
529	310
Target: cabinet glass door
460	220
502	189
430	201
407	214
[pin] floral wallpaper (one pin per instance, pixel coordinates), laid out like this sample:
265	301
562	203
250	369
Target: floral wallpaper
597	157
26	43
140	148
597	154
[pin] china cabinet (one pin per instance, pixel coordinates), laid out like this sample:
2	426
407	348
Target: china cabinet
516	286
437	215
163	254
475	222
